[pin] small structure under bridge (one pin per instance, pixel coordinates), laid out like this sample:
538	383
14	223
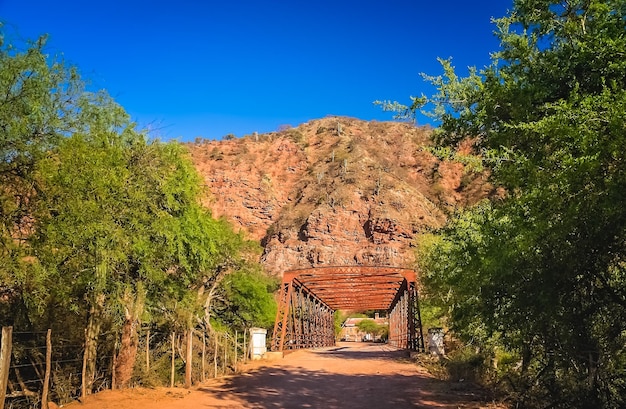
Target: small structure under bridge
309	297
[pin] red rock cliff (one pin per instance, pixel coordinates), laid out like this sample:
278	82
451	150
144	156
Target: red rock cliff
334	191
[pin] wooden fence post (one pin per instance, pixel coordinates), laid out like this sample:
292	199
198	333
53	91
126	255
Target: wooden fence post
173	357
245	351
83	383
236	345
225	363
203	355
148	351
46	379
188	361
113	365
5	361
215	357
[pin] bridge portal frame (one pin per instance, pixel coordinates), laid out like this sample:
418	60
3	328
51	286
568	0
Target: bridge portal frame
309	297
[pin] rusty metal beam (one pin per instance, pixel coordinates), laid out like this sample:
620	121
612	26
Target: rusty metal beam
341	287
309	297
303	319
282	314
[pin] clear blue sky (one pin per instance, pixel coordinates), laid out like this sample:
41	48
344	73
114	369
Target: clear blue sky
209	68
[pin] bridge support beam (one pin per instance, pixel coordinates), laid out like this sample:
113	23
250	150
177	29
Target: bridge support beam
405	323
303	320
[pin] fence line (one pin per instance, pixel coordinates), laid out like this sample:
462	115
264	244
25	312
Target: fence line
35	370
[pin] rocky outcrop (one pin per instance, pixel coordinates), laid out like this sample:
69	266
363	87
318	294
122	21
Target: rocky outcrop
334	191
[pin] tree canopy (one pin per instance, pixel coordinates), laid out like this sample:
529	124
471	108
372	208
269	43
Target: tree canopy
541	269
101	226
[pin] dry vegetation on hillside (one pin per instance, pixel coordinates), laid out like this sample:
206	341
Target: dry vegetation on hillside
334	191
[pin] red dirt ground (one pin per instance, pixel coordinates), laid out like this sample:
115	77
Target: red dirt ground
348	376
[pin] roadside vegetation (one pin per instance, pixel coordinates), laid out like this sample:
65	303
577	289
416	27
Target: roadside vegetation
533	283
101	226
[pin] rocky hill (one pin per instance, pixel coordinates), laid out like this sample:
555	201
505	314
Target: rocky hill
334	191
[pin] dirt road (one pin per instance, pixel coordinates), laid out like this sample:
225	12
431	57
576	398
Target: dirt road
348	376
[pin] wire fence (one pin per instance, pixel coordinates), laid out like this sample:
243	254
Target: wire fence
41	367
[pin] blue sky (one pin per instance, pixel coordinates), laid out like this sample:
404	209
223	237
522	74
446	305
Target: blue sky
207	68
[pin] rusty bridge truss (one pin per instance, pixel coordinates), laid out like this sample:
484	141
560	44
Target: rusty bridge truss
309	298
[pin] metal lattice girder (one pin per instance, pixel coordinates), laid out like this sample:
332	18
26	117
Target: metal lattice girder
416	335
303	320
309	297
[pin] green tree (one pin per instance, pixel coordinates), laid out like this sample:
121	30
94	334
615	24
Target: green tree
541	270
103	191
103	228
121	233
38	99
246	299
369	326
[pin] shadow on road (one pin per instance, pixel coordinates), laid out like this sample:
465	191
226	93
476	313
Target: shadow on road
331	384
366	351
300	388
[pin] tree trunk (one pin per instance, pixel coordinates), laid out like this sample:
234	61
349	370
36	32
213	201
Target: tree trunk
127	355
133	301
92	332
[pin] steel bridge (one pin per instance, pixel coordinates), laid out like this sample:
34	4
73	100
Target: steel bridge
309	298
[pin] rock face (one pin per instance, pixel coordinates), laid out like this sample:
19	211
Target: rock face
334	191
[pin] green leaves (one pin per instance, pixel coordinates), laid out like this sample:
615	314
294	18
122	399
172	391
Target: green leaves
102	228
370	326
250	301
541	270
37	98
94	215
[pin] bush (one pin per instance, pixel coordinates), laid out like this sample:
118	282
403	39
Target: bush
466	364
